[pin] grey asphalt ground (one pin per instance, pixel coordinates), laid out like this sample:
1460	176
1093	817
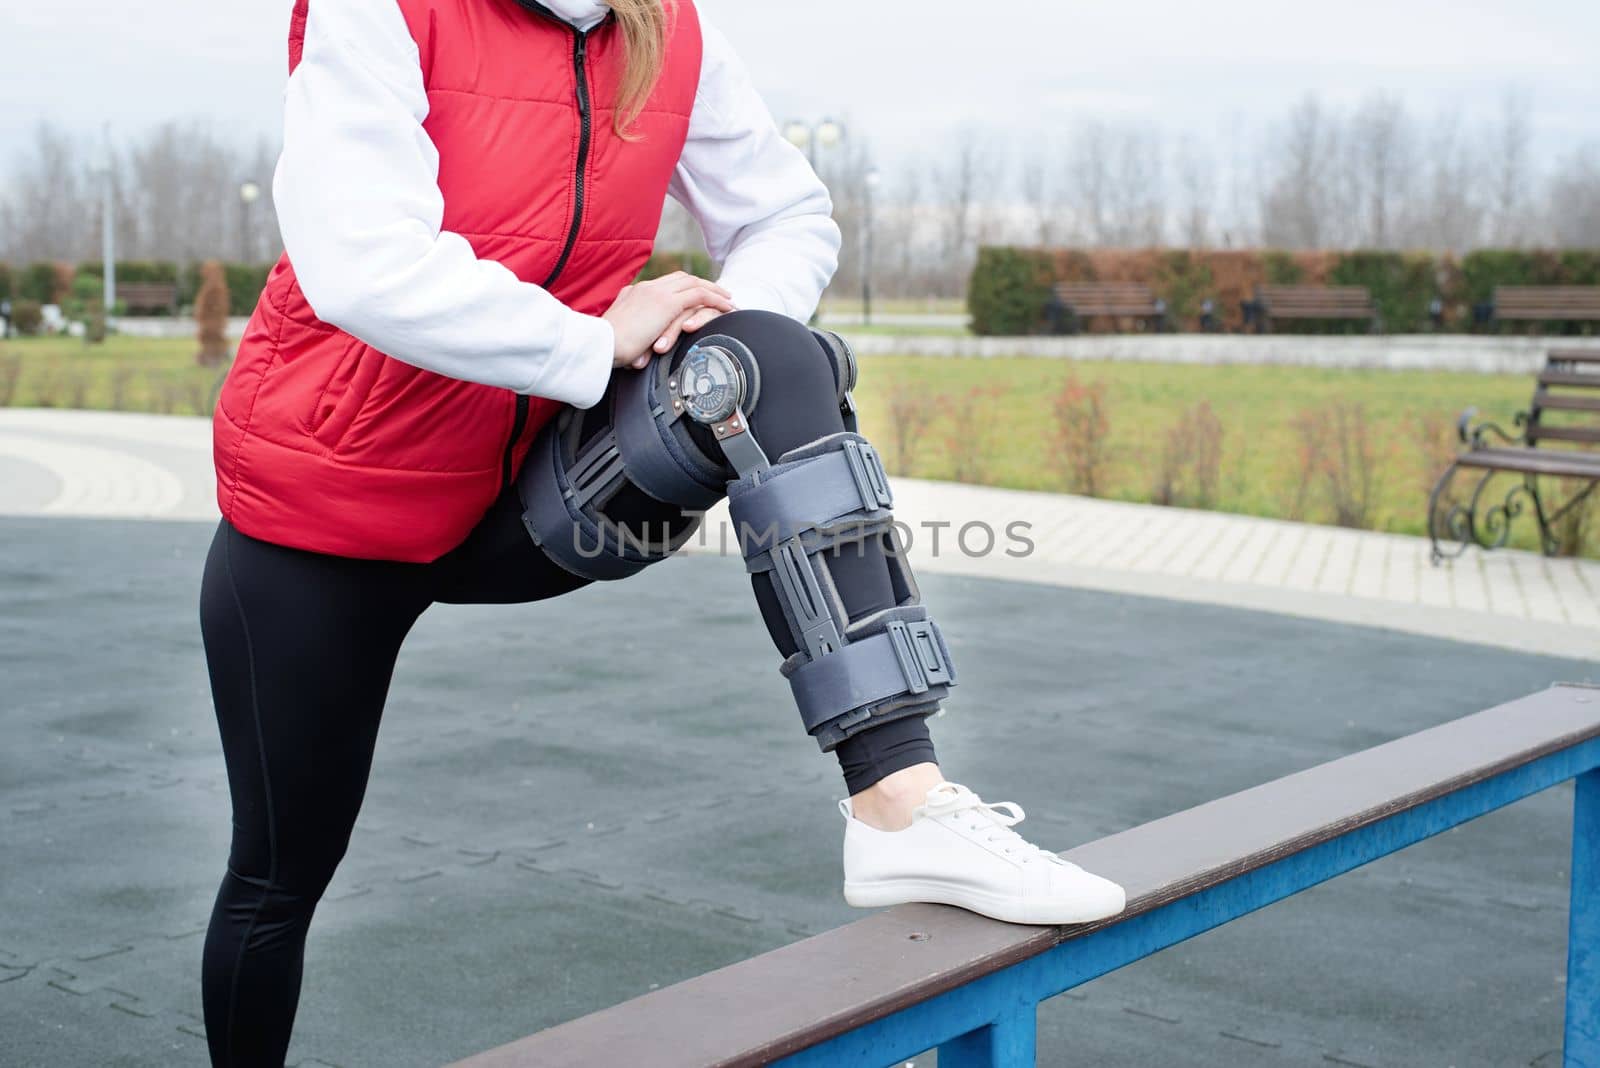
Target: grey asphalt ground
576	801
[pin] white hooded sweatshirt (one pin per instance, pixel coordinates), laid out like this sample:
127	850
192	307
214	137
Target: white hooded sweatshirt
358	201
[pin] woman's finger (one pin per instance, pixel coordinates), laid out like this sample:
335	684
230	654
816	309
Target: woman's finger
681	282
690	321
703	296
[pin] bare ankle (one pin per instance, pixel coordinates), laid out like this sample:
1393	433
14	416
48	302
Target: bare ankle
888	803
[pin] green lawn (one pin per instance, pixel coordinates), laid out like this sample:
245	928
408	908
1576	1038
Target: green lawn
1007	407
135	374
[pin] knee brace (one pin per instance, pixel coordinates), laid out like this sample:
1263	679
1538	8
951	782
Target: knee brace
567	481
847	674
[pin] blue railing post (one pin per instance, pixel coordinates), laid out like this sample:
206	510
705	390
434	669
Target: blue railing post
1007	1042
1583	932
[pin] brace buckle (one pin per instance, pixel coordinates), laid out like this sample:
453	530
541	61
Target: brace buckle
866	467
917	649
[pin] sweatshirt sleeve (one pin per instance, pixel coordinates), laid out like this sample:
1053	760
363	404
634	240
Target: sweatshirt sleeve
767	217
358	200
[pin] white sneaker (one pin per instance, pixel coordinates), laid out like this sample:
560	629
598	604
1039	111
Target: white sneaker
960	851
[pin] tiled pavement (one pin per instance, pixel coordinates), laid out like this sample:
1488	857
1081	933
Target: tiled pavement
568	807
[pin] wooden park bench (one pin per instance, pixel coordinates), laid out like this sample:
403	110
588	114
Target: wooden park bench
148	296
1561	449
915	977
1546	304
1311	302
1073	304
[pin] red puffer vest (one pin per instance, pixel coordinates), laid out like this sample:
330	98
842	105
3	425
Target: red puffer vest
323	443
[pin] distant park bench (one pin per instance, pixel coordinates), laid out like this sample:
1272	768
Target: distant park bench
1546	304
1073	304
915	977
148	296
1311	302
1569	384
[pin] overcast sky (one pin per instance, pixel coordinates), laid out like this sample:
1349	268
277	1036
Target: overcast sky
903	74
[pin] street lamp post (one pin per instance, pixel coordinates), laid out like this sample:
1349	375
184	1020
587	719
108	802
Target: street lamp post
808	137
870	184
249	193
108	231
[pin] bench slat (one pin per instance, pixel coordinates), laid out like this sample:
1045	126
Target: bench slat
1547	303
1315	302
1582	434
755	1011
1567	402
1555	462
1087	300
1577	379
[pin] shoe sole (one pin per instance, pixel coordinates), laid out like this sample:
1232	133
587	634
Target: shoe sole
906	891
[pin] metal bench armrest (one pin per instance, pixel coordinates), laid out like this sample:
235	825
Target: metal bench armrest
1473	435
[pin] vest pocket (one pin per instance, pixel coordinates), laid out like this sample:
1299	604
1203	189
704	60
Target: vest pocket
341	396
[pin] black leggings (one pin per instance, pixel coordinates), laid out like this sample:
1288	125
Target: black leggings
301	647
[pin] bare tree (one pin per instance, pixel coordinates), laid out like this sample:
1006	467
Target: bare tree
1574	200
959	186
1447	212
1379	164
49	212
1037	183
1508	151
1296	198
1197	194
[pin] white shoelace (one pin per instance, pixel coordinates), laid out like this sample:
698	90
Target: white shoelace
988	821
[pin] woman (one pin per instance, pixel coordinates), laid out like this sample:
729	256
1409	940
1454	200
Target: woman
449	359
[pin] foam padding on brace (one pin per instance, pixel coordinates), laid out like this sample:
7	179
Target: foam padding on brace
907	657
829	490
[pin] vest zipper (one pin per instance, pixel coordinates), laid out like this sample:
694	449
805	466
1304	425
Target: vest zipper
580	49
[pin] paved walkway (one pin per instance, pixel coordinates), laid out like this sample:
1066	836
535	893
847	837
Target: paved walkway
1391	352
87	464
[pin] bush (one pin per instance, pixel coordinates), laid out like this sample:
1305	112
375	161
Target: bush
911	410
27	317
1184	281
6	282
664	263
1402	285
245	282
1339	454
211	315
970	428
134	271
1078	446
38	283
1282	269
1009	292
1189	467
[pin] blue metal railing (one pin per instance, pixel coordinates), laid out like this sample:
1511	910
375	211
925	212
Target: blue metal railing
991	1022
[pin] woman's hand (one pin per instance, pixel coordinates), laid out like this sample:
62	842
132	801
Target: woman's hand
649	316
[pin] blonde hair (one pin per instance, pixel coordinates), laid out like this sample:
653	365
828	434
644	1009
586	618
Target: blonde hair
644	42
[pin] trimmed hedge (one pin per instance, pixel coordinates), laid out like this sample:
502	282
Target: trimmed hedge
245	280
38	282
1403	285
665	262
1009	289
